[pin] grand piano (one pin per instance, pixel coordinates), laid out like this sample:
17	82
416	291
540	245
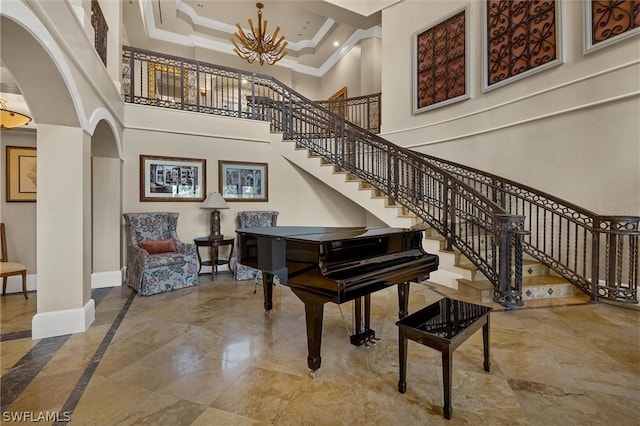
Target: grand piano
326	264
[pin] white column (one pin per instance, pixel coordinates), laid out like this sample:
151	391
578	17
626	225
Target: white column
63	232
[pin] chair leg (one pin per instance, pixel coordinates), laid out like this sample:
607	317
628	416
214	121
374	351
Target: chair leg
4	285
24	284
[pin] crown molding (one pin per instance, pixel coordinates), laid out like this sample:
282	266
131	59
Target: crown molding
153	32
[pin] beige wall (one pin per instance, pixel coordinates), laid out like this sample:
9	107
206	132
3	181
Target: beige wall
346	72
371	55
106	208
300	198
571	131
18	217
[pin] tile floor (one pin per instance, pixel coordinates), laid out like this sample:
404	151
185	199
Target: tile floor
209	355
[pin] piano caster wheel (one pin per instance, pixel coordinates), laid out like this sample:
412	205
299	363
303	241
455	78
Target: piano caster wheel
312	374
267	313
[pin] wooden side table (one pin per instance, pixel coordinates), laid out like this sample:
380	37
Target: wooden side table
214	246
443	325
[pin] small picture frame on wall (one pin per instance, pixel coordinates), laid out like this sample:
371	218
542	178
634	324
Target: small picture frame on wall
172	178
241	181
21	171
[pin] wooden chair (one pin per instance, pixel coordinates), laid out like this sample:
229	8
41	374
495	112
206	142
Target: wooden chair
10	268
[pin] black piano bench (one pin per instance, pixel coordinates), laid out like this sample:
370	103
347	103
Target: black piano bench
443	325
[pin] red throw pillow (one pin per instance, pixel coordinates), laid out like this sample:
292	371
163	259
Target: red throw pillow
160	246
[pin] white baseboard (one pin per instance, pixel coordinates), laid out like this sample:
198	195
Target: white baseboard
106	279
66	321
14	283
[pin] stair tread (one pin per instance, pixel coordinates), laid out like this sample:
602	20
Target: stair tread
526	281
472	267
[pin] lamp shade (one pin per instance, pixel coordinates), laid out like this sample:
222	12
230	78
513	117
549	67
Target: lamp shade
214	201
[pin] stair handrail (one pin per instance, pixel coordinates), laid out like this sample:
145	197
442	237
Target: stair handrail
342	143
458	206
613	277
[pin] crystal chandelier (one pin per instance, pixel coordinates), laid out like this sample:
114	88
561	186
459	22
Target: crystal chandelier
258	45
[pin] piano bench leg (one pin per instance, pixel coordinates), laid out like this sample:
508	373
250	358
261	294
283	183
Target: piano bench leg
402	351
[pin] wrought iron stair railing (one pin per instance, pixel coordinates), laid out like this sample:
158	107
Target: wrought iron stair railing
599	254
490	220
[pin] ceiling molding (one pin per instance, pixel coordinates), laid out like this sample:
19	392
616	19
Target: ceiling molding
193	40
228	29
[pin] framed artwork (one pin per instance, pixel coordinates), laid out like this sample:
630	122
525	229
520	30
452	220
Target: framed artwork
21	170
441	62
243	181
521	38
608	22
172	178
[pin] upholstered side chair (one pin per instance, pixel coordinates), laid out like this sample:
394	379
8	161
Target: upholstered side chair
157	261
8	269
252	219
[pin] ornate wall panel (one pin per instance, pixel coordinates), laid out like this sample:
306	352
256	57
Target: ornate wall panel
610	21
440	72
521	37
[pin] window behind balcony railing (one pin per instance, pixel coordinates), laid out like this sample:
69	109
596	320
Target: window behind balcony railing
100	29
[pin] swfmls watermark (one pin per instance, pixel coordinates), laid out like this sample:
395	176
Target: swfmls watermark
36	416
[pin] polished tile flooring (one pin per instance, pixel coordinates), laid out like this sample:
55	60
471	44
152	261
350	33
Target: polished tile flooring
208	355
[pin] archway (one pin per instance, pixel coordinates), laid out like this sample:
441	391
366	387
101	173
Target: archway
50	85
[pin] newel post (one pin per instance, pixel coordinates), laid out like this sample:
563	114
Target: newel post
508	231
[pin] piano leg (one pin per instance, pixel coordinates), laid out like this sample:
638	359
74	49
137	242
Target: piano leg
363	335
314	314
267	287
403	299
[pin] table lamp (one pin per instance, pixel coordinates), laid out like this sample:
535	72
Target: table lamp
215	202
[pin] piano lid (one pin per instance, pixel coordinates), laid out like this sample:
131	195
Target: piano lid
319	234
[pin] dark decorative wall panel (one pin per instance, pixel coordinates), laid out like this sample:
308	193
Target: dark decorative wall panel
440	63
521	36
610	19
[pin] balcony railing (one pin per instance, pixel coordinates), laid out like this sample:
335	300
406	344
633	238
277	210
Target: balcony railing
100	29
490	220
363	111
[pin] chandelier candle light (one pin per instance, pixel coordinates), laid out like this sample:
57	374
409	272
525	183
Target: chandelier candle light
215	202
258	45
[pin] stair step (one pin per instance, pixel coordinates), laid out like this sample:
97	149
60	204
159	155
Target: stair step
455	270
533	288
476	290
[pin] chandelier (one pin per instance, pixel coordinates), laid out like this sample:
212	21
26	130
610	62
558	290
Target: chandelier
257	44
10	119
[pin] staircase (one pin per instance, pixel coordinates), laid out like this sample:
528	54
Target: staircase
455	270
597	253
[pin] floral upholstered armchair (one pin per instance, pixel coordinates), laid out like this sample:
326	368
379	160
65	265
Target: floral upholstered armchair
157	260
252	219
